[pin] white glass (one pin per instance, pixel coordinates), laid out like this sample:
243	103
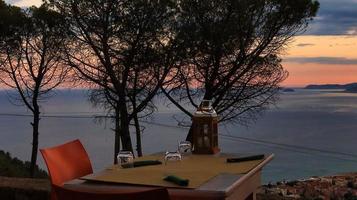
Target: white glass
172	156
184	147
125	159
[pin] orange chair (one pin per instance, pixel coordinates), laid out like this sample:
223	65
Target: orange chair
70	194
66	162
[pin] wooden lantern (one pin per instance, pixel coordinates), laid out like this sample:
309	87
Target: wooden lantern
205	130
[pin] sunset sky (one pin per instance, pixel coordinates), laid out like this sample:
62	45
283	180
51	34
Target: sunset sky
325	53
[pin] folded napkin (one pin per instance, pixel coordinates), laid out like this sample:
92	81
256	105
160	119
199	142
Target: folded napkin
142	163
177	180
243	159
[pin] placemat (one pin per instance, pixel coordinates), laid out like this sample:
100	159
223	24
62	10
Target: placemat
197	168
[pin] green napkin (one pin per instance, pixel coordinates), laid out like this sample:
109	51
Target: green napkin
243	159
142	163
177	180
146	163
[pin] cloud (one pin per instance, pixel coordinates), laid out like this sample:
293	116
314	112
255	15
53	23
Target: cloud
322	60
335	17
352	31
305	44
24	3
12	1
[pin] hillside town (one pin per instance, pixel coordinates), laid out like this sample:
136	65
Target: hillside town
336	187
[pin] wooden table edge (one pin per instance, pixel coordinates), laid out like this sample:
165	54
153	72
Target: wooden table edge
251	173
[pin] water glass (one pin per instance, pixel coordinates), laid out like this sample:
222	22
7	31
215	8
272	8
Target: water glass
125	159
172	156
184	147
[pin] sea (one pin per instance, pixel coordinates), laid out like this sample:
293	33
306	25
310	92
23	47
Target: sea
310	132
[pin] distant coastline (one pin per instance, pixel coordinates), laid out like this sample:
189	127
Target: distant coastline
351	87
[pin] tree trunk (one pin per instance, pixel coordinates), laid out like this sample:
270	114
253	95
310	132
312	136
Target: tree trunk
124	129
117	134
35	133
138	136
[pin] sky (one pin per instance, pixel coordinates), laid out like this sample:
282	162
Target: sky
24	3
325	53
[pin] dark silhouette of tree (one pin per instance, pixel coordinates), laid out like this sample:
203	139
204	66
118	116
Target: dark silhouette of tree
30	60
124	49
233	50
11	18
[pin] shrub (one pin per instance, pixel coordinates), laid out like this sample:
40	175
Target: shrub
14	167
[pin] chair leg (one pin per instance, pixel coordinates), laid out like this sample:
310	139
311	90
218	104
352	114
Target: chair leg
53	195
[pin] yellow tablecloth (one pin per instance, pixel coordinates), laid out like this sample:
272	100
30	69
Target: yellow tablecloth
197	168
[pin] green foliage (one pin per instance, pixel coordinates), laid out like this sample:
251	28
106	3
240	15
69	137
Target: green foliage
9	15
13	167
17	23
11	18
47	22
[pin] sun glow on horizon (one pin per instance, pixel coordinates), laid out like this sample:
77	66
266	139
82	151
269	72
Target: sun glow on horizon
321	60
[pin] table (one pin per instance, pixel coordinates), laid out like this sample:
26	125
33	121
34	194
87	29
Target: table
223	186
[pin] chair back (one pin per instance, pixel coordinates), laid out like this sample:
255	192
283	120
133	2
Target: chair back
66	162
77	194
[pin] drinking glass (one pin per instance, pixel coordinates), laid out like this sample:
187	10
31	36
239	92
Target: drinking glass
184	147
125	159
172	156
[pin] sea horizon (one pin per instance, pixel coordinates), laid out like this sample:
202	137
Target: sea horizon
295	130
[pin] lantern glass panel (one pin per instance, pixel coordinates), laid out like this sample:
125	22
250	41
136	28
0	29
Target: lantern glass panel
205	129
206	105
